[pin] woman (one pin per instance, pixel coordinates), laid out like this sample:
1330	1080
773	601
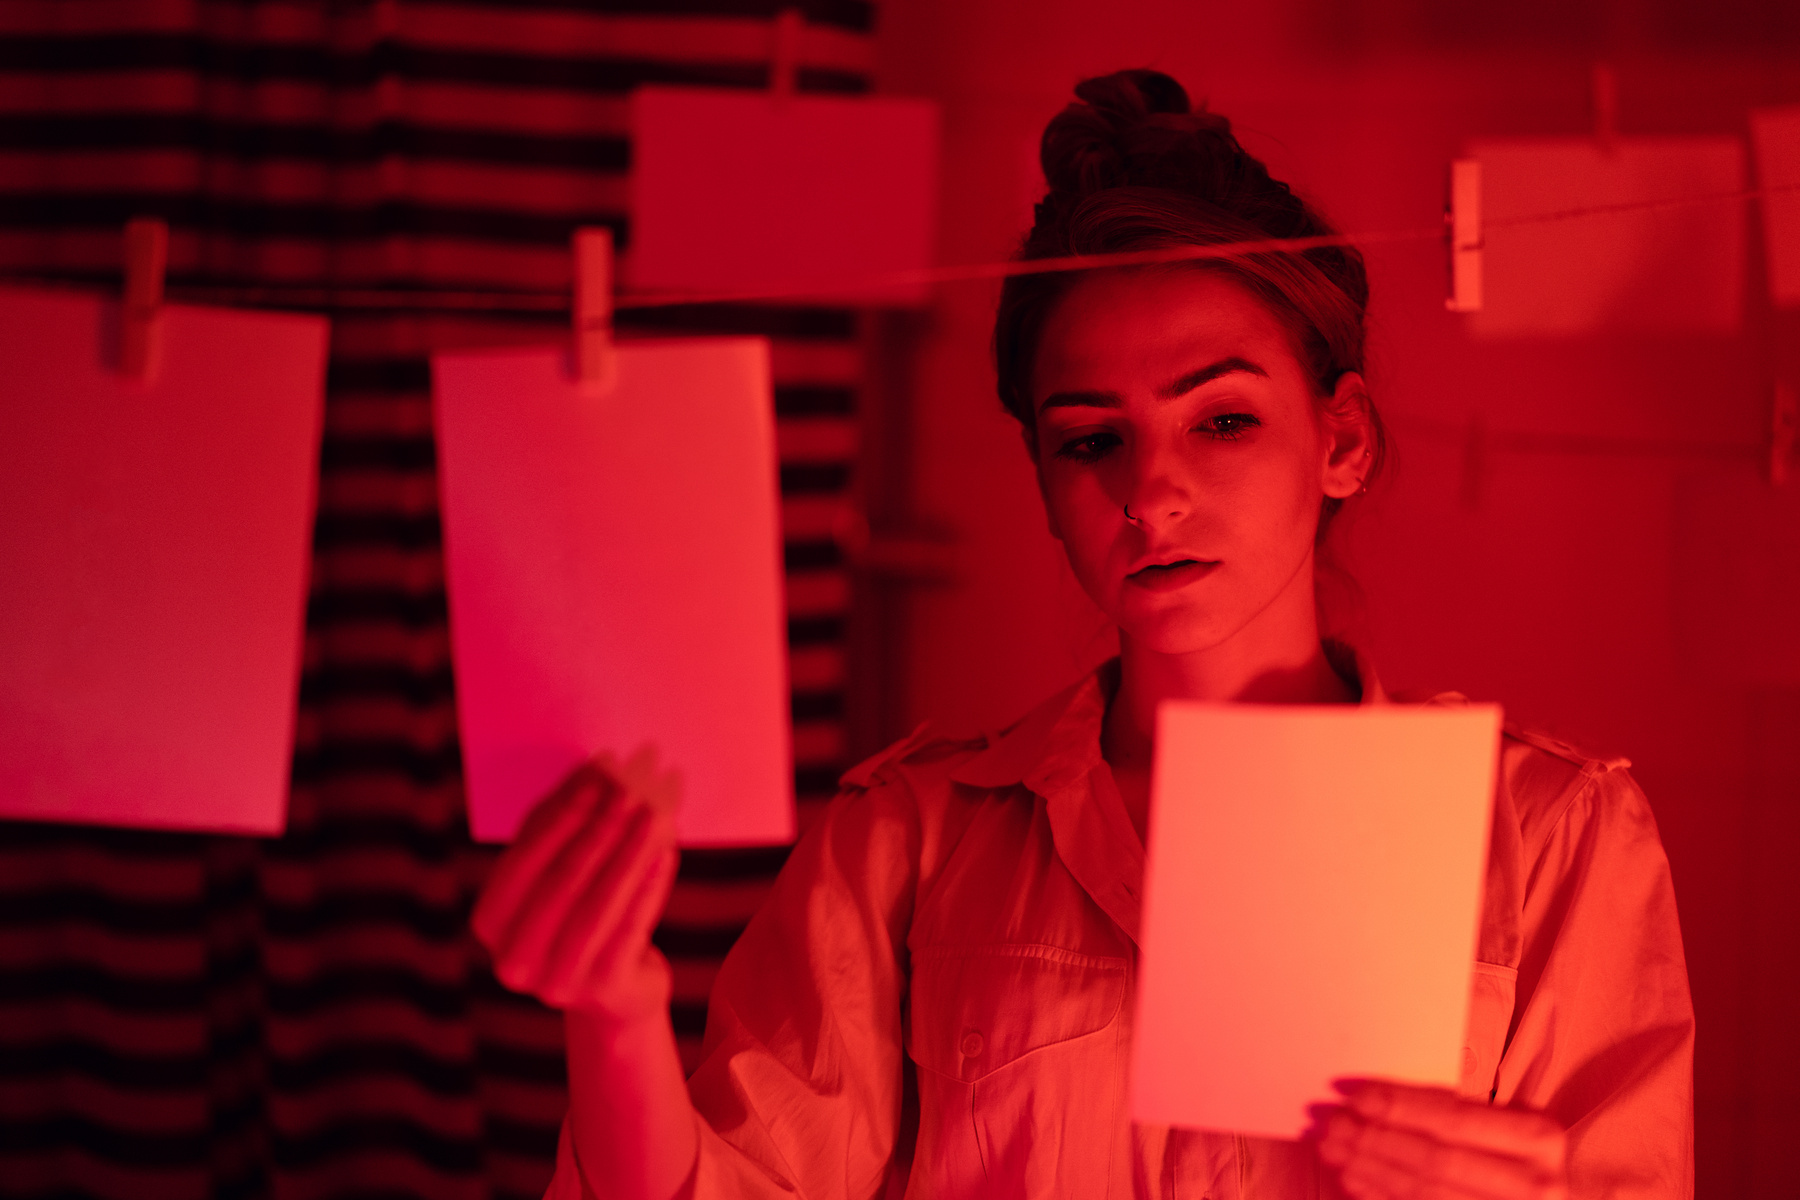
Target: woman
935	1000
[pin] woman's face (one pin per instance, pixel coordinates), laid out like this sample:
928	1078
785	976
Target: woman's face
1176	394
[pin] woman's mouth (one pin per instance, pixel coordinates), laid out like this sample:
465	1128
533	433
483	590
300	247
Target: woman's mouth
1164	577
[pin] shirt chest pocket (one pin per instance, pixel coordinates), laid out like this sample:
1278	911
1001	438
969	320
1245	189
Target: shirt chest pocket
1021	1055
976	1009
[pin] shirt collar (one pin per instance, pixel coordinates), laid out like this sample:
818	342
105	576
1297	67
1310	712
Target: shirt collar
1058	742
1054	743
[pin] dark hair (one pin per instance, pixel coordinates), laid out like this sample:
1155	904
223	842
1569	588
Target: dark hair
1132	166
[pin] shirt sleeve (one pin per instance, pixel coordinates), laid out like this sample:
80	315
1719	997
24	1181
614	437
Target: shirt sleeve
1603	1027
799	1089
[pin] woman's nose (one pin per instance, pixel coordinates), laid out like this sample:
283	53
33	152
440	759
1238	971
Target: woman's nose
1156	494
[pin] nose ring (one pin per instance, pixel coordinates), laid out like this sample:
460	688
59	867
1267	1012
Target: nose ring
1129	517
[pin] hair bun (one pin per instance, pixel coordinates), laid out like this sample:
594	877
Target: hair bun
1134	93
1136	128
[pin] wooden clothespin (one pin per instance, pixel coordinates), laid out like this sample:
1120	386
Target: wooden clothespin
1784	433
784	57
141	317
596	362
1462	228
1604	82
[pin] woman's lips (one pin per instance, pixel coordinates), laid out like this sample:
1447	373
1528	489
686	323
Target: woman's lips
1174	575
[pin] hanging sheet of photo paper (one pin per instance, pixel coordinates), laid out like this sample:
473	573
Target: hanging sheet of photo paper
154	541
1670	269
1310	906
614	567
1775	135
735	190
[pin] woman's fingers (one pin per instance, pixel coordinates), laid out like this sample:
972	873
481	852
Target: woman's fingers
610	972
521	927
547	827
570	905
1402	1140
606	911
1446	1117
525	947
1379	1161
540	882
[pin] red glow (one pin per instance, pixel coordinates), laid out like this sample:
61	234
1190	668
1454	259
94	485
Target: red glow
1580	526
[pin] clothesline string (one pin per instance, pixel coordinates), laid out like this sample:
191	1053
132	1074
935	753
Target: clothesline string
1178	254
558	300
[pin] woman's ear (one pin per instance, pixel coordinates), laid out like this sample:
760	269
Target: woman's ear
1349	437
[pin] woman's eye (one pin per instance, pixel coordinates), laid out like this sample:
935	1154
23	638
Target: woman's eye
1089	447
1229	425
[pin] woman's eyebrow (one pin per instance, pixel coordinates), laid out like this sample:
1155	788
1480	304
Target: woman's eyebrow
1179	387
1082	400
1193	379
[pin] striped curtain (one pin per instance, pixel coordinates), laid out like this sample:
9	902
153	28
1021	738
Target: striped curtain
210	1016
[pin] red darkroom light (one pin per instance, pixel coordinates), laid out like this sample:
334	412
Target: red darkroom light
1052	602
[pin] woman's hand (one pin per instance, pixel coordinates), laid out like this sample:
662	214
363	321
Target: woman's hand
1389	1141
568	910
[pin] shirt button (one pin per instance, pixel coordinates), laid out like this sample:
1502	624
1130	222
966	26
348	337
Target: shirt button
971	1044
